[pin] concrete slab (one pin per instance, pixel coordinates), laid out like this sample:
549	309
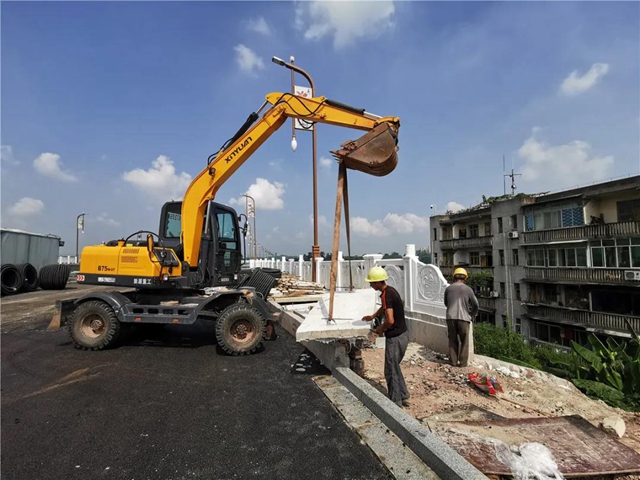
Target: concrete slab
348	310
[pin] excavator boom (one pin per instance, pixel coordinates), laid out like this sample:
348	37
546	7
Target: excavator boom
374	153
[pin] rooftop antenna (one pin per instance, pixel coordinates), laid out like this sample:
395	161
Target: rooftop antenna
510	175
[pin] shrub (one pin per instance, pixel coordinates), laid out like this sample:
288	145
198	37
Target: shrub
503	344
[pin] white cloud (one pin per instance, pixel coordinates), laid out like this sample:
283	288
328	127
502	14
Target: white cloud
392	223
160	180
247	59
276	164
49	165
6	155
345	21
105	219
26	206
406	223
574	84
268	196
326	163
364	227
454	207
259	25
569	163
322	221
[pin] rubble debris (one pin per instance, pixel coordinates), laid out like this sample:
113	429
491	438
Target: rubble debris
613	425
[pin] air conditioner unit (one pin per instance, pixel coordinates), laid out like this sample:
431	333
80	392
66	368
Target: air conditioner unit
632	275
513	234
494	294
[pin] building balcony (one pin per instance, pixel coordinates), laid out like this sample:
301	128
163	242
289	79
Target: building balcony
584	318
582	275
586	232
447	272
488	304
473	242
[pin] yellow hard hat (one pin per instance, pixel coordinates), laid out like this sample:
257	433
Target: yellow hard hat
460	271
377	274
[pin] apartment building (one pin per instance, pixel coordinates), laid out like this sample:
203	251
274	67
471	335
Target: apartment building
554	267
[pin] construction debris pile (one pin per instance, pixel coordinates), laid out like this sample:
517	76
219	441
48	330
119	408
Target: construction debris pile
289	286
532	408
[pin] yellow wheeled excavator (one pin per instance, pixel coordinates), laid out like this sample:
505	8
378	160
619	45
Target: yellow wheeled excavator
192	267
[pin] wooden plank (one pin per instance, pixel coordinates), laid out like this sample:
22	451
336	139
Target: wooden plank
300	299
578	448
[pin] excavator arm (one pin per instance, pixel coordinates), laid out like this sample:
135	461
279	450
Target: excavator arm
374	153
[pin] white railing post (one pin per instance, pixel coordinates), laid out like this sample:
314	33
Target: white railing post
300	266
283	263
339	267
290	270
319	278
370	261
410	261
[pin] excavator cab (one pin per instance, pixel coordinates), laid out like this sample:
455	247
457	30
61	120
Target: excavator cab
220	257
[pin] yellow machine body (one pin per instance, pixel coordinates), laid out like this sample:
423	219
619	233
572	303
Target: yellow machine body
129	264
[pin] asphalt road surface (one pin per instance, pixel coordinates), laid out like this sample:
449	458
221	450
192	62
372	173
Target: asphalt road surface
168	405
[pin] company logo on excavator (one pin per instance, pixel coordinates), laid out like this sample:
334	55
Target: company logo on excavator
238	149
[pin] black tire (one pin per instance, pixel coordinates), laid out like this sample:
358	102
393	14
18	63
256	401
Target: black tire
54	277
94	326
10	279
274	272
240	329
29	277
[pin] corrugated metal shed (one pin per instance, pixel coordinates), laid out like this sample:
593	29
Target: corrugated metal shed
37	249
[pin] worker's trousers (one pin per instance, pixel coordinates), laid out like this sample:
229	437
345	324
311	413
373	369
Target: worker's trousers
458	332
395	348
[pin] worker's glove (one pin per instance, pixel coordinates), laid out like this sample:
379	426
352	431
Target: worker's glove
376	322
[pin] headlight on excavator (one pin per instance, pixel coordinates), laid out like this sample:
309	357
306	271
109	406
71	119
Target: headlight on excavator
165	277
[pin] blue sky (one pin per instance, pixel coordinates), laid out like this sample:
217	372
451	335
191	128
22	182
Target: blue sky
111	108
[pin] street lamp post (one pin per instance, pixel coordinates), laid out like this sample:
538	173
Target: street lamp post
79	226
316	247
253	211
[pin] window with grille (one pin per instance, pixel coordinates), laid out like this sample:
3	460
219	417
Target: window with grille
629	211
560	216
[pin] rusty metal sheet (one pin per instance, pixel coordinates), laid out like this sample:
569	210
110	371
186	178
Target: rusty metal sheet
578	448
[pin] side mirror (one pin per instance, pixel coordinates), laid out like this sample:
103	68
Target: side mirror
150	244
246	223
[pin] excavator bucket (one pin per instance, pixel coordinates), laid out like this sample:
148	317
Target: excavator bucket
373	153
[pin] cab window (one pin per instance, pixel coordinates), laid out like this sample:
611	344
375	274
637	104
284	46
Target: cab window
173	221
226	227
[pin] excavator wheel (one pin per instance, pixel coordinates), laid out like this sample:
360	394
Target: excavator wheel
94	326
240	329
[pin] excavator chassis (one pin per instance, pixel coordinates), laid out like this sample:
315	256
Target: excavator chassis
96	321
